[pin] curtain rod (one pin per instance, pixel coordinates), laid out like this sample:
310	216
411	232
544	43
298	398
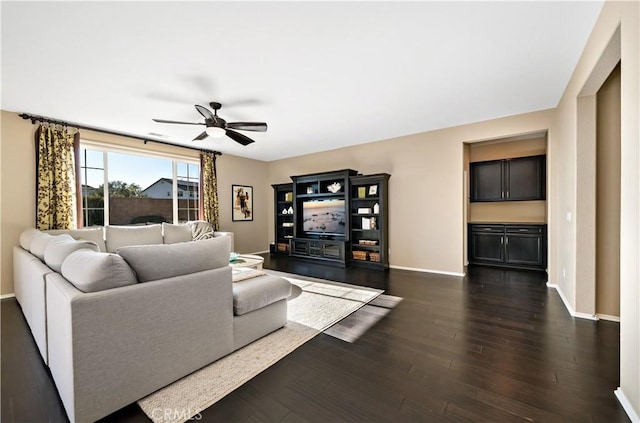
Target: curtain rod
36	118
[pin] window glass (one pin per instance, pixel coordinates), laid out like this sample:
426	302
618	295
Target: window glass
92	187
140	188
188	176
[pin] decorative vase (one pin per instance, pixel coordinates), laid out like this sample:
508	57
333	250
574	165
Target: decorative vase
284	211
376	208
290	210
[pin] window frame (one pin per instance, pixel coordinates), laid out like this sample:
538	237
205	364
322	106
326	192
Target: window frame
175	158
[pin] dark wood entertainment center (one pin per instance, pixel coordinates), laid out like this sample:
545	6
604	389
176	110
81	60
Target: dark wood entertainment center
337	217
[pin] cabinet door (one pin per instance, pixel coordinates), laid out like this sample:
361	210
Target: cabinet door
332	251
524	250
525	178
487	247
486	181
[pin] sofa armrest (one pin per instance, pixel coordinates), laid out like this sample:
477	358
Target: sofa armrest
29	285
111	348
229	234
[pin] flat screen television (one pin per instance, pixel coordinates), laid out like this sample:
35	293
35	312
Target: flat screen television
324	217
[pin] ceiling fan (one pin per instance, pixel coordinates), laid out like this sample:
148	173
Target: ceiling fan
216	127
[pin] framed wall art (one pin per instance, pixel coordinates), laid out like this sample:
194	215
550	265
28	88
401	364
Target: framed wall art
242	203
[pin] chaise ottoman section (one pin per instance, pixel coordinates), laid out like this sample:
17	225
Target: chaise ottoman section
260	307
255	293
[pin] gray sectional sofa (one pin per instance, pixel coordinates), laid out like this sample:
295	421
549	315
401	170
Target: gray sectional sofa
120	312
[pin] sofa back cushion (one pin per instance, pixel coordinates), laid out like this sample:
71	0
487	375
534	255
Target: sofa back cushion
61	246
173	234
92	271
93	233
123	236
153	262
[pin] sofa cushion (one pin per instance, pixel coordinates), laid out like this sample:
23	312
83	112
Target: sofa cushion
92	271
255	293
124	236
153	262
173	234
61	246
26	237
39	243
93	233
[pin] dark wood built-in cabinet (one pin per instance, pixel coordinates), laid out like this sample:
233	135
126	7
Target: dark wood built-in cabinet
508	245
339	217
517	179
283	211
321	219
327	250
369	217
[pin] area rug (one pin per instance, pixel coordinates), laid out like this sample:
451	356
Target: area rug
319	306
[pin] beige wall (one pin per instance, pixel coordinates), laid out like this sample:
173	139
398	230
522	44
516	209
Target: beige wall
18	188
426	212
501	149
608	197
564	170
250	236
17	182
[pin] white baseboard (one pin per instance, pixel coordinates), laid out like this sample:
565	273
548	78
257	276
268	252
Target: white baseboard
568	306
608	317
415	269
628	408
3	296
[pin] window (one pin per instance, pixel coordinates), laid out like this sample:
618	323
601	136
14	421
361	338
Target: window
132	188
188	176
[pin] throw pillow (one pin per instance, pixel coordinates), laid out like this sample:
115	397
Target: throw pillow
26	237
39	243
173	234
201	229
153	262
61	246
92	271
123	236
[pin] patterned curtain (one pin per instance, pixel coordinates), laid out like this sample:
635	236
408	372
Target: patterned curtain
56	203
209	188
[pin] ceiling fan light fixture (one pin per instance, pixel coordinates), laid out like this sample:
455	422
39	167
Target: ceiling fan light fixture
215	132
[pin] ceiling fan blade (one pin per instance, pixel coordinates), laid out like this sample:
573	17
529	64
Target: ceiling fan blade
248	126
238	137
201	136
206	113
175	121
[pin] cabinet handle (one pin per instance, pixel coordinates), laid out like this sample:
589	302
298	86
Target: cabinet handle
506	240
502	194
501	240
507	194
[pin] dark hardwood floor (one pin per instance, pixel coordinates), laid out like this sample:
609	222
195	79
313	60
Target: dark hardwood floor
495	346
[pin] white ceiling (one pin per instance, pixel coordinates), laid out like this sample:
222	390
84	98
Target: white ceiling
322	75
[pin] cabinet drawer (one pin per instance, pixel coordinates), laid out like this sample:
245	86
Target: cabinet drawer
315	252
315	244
487	228
524	229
